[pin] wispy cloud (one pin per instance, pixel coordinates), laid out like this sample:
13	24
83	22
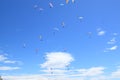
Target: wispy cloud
115	34
6	60
112	41
113	48
25	77
116	74
92	71
100	32
4	68
2	58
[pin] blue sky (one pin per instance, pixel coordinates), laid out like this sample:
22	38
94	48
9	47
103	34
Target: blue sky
83	35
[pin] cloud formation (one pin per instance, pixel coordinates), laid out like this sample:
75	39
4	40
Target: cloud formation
92	71
100	32
57	60
2	58
4	68
5	60
112	48
25	77
112	41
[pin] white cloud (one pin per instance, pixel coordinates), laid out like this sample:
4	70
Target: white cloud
113	48
57	60
5	60
38	77
8	61
112	41
25	77
100	78
115	34
61	4
4	68
2	58
116	74
81	17
56	29
94	71
101	33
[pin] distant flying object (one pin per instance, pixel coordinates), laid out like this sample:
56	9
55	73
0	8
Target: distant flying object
73	1
64	50
51	70
63	24
89	34
57	29
80	17
67	1
67	67
61	4
41	9
35	6
51	5
24	45
36	50
40	37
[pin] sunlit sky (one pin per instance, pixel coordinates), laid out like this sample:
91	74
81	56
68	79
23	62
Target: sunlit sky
78	40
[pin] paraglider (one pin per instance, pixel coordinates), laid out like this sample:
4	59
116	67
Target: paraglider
67	67
89	34
61	4
51	70
64	50
41	9
67	1
40	37
36	50
73	1
24	45
51	5
63	24
80	18
35	6
55	29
